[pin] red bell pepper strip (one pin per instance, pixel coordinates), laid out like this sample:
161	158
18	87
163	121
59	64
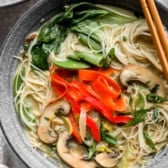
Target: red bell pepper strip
106	87
75	131
99	106
60	85
102	80
120	104
74	104
85	90
102	109
88	75
76	92
93	128
108	96
120	119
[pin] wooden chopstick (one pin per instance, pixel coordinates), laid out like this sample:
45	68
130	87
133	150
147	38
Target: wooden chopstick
157	32
159	24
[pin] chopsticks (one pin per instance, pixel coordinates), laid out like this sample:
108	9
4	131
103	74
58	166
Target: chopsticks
157	31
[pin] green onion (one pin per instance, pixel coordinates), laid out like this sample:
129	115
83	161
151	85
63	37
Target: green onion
153	98
155	113
139	116
107	136
149	141
155	88
92	151
124	38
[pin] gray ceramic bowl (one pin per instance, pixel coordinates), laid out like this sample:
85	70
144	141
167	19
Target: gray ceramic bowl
10	122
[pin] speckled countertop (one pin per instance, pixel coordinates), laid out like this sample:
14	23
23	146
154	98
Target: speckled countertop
8	17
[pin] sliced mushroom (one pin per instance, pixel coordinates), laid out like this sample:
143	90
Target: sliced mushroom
45	132
143	75
71	156
106	160
76	149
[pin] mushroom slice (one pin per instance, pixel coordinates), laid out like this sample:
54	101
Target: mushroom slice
70	156
105	160
143	75
45	132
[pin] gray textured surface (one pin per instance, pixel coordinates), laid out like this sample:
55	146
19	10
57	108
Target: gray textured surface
10	121
9	15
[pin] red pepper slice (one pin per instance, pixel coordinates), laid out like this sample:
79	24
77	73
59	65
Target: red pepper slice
88	75
120	119
103	88
93	128
75	131
106	112
74	104
60	85
99	106
120	104
106	86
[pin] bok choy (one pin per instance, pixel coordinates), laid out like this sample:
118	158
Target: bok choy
84	19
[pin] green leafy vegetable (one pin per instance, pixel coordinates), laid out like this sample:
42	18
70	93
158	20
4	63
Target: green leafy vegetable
139	116
116	16
77	13
50	38
50	30
91	37
91	58
72	64
153	98
40	58
75	18
54	32
89	42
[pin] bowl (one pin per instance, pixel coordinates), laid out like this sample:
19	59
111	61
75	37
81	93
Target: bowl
11	125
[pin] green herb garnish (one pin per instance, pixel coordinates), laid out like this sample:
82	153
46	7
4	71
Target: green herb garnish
155	88
139	102
153	98
91	150
107	136
149	141
124	38
46	118
139	116
155	113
